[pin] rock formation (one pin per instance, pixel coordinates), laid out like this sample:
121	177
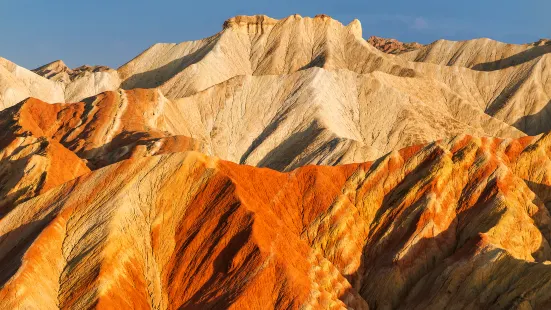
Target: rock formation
393	46
478	54
507	82
280	164
81	82
58	71
455	223
18	83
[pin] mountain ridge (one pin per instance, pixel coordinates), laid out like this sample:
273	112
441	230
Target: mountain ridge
280	164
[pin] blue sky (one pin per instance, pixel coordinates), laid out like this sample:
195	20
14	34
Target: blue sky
112	32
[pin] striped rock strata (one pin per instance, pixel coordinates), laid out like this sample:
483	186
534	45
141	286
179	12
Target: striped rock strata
452	224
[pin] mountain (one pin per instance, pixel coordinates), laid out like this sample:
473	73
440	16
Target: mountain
296	74
501	80
280	164
509	82
258	46
282	122
504	81
58	71
45	145
327	117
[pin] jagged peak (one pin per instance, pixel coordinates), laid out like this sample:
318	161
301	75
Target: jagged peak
393	46
246	21
355	27
542	42
58	71
57	65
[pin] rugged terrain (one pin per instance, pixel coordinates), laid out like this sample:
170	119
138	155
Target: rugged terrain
393	46
460	223
280	164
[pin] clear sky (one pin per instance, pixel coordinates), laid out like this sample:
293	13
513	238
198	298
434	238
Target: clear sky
35	32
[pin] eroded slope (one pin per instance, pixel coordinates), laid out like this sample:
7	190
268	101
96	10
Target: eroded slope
186	230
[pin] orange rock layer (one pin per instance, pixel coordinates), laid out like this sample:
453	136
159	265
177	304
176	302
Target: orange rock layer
460	223
45	145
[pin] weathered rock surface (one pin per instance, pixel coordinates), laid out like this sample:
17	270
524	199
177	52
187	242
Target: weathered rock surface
58	71
461	223
511	82
120	201
282	122
82	82
318	116
478	54
18	83
105	128
393	46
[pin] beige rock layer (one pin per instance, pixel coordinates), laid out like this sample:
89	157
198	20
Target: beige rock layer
82	82
510	82
515	89
479	54
318	116
18	83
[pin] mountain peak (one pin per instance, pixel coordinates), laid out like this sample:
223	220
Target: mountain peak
393	46
59	71
247	21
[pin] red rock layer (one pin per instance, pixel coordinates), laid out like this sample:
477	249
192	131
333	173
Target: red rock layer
460	223
393	46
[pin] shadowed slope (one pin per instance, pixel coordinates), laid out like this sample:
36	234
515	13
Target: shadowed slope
317	116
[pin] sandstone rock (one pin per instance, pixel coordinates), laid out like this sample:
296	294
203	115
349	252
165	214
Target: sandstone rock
18	83
397	181
105	128
82	82
186	230
317	116
506	83
393	46
479	54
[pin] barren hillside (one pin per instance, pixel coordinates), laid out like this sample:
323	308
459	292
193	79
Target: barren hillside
280	164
